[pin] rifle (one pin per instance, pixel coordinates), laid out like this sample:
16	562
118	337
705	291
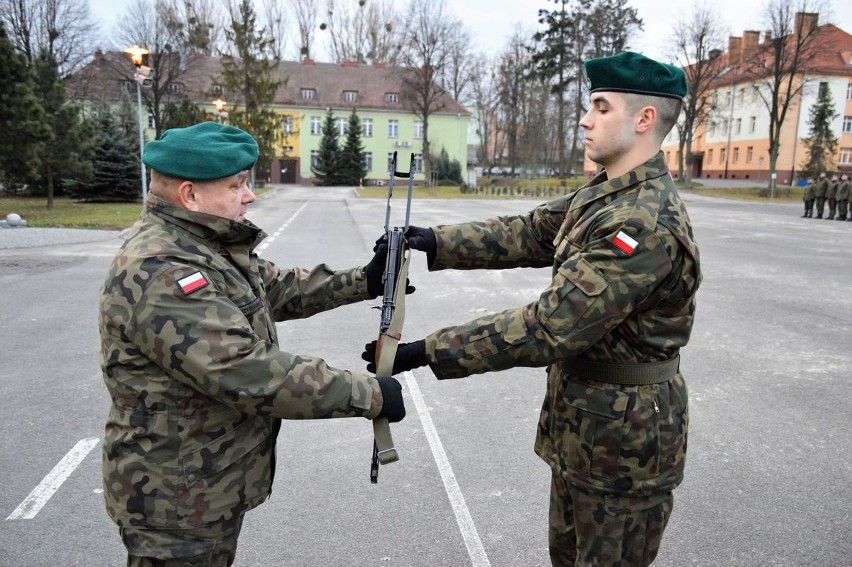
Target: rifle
393	314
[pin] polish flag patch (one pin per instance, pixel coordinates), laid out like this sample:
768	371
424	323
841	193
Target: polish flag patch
192	283
624	242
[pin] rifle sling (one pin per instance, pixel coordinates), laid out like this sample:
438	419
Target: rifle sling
384	366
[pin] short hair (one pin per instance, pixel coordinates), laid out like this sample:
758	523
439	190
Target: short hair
668	110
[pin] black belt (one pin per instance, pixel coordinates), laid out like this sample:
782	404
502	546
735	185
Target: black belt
637	374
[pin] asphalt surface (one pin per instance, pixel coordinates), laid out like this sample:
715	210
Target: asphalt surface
769	466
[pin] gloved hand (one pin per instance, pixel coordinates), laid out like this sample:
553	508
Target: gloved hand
393	406
422	239
376	269
408	356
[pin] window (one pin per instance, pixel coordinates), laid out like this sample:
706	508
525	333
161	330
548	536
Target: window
752	124
418	163
393	128
727	99
722	153
152	121
418	130
750	154
176	87
308	94
392	98
288	149
725	127
350	96
341	126
739	126
217	89
846	156
314	158
754	92
668	157
823	88
709	156
316	125
847	124
367	128
741	95
849	91
368	161
712	128
736	154
287	124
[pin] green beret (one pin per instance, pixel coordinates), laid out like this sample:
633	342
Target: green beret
630	72
201	152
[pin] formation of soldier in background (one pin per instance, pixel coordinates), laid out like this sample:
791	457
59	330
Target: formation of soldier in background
835	191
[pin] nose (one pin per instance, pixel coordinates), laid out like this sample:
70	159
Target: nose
586	121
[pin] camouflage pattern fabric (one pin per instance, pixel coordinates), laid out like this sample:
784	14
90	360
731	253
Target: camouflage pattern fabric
808	198
820	192
625	271
843	193
209	546
197	380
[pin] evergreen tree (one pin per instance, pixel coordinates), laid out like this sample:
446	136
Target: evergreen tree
22	117
328	166
352	168
116	170
184	114
247	78
821	142
448	170
66	157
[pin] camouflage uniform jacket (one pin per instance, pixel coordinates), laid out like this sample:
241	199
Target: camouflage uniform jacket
625	273
808	194
197	380
843	190
831	192
822	187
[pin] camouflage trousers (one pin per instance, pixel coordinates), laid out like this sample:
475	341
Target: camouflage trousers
593	530
210	546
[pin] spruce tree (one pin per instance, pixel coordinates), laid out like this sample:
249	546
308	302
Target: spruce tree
328	165
821	142
352	167
22	117
116	170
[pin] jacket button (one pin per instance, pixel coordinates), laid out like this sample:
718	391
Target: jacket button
191	477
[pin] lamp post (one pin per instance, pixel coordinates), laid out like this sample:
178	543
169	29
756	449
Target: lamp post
220	104
137	55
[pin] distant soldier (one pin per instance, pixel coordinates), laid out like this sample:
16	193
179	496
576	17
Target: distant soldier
820	191
831	195
808	198
843	191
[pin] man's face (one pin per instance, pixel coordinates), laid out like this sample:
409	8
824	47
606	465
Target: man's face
227	197
609	127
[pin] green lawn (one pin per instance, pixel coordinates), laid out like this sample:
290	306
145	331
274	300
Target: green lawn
68	213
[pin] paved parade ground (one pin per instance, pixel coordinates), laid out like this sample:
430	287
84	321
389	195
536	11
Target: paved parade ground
769	368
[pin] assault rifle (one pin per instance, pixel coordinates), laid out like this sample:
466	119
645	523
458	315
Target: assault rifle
393	313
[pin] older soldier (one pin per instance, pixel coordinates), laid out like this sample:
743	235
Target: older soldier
190	355
843	194
621	304
820	193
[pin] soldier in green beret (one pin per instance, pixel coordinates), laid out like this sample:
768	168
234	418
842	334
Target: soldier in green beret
831	196
608	326
190	355
843	194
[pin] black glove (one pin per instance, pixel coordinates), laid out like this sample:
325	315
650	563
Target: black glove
393	406
408	356
376	269
422	239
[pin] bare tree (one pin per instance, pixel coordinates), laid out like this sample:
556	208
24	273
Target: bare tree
306	12
61	28
457	77
276	26
196	24
362	32
777	69
485	98
428	38
513	81
697	42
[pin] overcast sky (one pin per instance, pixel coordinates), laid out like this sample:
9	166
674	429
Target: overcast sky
491	22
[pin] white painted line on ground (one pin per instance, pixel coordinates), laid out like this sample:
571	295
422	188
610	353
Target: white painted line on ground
268	241
31	505
468	529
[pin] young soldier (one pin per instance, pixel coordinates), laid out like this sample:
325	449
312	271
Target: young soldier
608	327
190	355
831	196
820	192
843	194
808	198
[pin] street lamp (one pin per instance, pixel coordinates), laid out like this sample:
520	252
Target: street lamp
220	104
137	56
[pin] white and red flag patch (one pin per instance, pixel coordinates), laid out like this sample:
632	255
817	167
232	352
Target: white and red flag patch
192	282
625	242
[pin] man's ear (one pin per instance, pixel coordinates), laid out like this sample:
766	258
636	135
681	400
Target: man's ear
187	193
646	119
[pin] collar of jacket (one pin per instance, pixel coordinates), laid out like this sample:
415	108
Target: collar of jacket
601	186
204	226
